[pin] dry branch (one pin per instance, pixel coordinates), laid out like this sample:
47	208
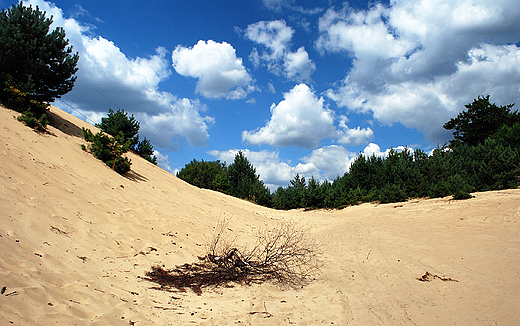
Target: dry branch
58	231
286	254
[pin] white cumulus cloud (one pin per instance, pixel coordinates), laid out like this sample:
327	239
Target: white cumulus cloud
183	118
274	37
298	66
327	162
219	71
301	119
353	137
419	62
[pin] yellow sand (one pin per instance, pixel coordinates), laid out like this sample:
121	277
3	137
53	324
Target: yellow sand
75	238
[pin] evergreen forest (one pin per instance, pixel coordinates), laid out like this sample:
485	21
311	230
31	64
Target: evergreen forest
483	155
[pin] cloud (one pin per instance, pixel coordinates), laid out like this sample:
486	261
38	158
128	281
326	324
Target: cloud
418	62
374	149
105	70
299	120
353	137
278	5
220	73
323	163
274	37
298	66
174	123
327	162
275	172
109	79
302	120
163	163
363	33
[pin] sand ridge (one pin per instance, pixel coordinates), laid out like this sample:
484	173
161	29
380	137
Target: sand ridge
76	238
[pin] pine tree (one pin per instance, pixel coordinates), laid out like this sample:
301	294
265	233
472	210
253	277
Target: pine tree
205	174
242	177
245	183
120	123
144	148
32	59
481	120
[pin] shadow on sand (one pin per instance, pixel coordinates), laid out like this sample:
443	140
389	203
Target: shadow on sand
64	126
134	176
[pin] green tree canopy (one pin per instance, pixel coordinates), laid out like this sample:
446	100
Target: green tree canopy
109	150
242	177
127	127
120	123
35	61
245	183
481	120
144	148
205	174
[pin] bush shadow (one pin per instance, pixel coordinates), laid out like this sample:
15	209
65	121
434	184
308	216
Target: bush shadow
63	125
134	176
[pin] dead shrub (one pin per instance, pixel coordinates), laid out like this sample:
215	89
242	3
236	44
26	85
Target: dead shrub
286	254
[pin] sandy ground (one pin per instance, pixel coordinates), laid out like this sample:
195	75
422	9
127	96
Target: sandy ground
76	238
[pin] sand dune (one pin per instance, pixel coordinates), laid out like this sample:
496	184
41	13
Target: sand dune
76	238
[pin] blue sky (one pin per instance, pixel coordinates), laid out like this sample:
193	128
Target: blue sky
299	86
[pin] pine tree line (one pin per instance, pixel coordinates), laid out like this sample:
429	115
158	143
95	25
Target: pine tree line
239	179
484	155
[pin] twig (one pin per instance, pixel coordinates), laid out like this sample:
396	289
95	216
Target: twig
78	214
368	254
83	258
267	315
164	308
58	231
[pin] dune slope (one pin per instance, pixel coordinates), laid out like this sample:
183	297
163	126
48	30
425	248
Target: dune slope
76	238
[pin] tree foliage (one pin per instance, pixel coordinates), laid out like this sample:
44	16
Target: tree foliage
206	174
239	179
34	113
144	148
245	183
481	120
119	134
109	149
119	123
127	127
32	59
